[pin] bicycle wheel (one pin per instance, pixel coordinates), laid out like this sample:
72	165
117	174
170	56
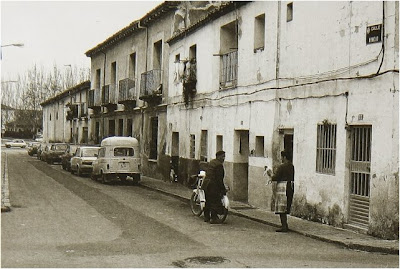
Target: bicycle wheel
195	204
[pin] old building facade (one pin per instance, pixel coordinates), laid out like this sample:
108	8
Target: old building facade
253	78
129	86
65	116
320	80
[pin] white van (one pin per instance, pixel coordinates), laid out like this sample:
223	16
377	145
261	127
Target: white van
118	159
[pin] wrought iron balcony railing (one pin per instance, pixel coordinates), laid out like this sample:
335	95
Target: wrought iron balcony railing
127	90
229	68
72	112
150	83
83	109
91	102
108	95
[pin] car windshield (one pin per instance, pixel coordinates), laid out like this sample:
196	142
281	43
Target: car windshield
123	152
60	147
89	152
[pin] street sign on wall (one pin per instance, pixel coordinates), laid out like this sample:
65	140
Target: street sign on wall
374	34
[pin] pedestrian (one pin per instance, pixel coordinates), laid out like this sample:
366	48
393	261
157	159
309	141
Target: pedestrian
215	189
284	177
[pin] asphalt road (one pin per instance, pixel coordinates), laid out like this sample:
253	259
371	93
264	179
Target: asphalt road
62	220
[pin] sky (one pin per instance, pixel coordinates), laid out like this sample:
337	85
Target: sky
60	32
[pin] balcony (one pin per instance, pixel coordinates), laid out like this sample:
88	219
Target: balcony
72	111
94	100
151	87
108	97
229	69
83	111
127	92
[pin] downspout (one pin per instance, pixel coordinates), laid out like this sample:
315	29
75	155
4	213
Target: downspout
383	36
142	109
104	83
275	132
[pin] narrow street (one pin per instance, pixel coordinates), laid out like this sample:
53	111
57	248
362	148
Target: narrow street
62	220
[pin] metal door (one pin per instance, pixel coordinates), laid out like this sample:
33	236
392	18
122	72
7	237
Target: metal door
360	177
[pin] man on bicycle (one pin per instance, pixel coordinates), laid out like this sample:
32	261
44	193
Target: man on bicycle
215	188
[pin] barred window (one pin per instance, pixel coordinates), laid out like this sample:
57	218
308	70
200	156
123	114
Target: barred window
204	146
326	148
192	146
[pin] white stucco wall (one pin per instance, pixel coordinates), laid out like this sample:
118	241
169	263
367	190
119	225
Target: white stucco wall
323	42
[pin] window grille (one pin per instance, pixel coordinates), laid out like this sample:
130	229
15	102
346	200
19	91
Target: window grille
203	148
192	146
326	148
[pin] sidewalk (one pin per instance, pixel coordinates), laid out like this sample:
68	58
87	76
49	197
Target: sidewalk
5	194
323	232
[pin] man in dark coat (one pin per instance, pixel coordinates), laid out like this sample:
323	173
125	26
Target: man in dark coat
215	188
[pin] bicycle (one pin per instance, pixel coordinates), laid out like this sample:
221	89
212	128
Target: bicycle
198	199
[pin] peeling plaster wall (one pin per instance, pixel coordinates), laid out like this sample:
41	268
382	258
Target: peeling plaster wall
306	94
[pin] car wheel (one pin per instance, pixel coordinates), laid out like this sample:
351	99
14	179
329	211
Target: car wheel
93	176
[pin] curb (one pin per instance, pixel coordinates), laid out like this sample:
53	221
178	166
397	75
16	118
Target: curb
353	246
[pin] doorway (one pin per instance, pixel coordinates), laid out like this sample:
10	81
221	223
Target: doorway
360	174
286	140
241	152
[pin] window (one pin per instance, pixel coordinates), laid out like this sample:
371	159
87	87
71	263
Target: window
113	73
259	146
121	127
90	152
154	138
229	54
259	32
177	58
56	115
50	116
98	78
102	152
175	144
132	66
157	55
111	127
326	148
192	52
129	127
204	146
220	143
192	146
123	152
289	12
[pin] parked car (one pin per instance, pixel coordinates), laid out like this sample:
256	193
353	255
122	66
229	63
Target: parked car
66	157
54	152
82	161
18	143
33	148
118	158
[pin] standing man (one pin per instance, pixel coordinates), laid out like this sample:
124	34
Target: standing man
284	177
215	188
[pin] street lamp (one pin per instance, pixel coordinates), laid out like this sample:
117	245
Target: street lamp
13	45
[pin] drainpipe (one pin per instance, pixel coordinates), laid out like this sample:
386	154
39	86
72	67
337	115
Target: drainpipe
275	132
104	83
142	109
